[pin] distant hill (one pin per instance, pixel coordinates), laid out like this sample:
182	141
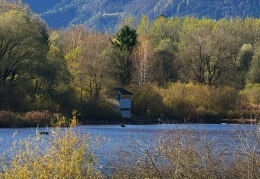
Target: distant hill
105	15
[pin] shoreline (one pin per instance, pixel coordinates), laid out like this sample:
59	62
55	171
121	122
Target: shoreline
151	122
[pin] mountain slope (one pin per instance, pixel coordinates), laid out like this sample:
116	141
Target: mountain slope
104	15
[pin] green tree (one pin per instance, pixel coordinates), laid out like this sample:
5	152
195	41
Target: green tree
253	75
24	45
87	56
54	79
125	39
159	30
208	50
163	34
245	57
167	62
225	45
195	48
121	66
73	51
124	43
144	26
251	30
166	28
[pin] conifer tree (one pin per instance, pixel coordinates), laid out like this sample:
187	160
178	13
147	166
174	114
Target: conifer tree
125	41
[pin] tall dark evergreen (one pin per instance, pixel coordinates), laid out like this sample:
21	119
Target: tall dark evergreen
125	41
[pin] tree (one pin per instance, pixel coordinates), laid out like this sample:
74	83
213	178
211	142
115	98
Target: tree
245	57
253	75
23	47
159	30
208	50
123	43
73	40
225	45
144	26
58	80
24	42
121	66
166	28
251	30
167	63
56	73
163	35
95	64
51	88
194	48
125	39
86	57
143	62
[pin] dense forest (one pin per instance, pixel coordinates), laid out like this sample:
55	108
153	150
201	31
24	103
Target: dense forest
106	15
181	68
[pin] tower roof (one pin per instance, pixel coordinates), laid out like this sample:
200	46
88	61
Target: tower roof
120	91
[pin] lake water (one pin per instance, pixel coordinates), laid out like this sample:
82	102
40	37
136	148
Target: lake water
116	138
117	135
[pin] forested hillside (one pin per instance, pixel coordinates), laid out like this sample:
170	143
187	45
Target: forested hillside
105	15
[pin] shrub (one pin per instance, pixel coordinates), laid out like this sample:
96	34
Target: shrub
147	102
8	119
28	119
251	94
66	153
190	102
224	98
185	153
96	111
35	118
247	104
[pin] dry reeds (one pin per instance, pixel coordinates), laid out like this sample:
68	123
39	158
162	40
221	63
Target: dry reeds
188	154
64	154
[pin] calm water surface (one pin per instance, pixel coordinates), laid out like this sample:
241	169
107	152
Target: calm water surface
115	138
119	135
